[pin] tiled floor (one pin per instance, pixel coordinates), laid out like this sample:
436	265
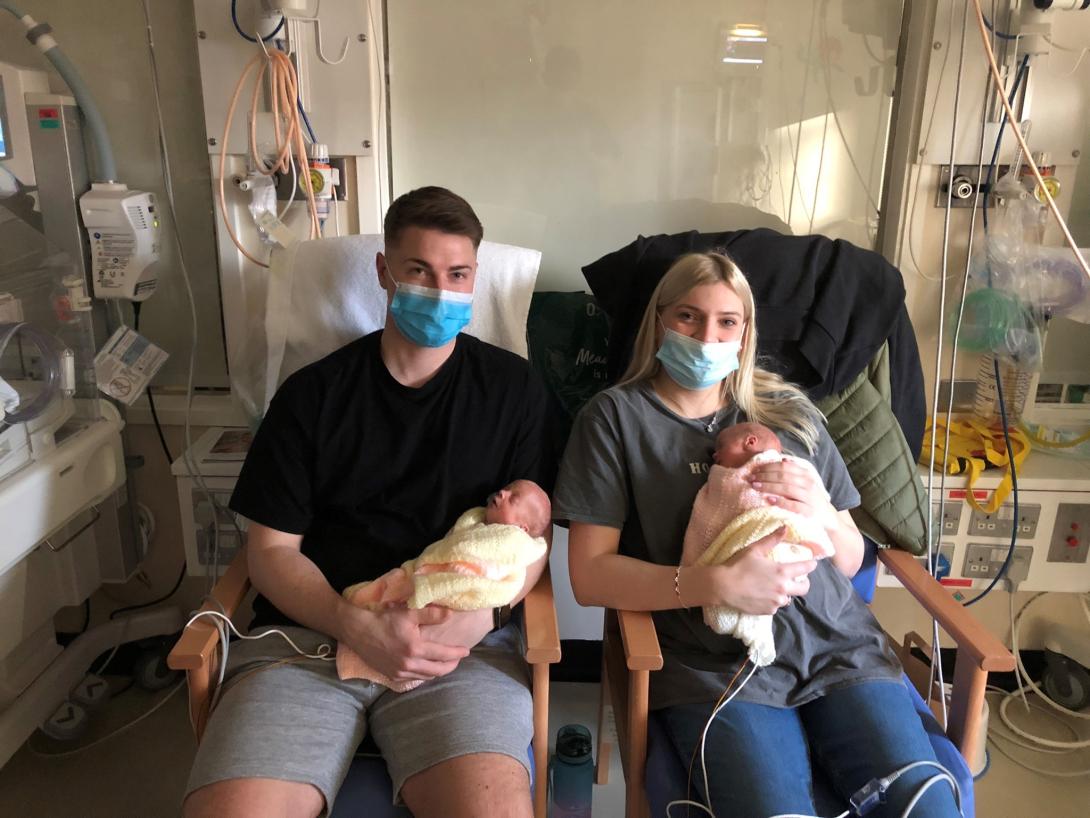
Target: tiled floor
141	773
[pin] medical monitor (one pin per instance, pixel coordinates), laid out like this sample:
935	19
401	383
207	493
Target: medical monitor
5	147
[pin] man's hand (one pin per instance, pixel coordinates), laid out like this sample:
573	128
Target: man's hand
462	628
397	643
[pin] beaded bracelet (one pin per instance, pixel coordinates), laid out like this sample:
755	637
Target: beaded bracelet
677	585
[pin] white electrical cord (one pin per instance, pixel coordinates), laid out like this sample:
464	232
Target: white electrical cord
685	802
222	623
1023	676
336	212
936	658
925	787
191	467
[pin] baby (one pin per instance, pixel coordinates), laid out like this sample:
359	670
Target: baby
730	515
480	563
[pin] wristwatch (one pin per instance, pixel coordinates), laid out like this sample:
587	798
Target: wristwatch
500	617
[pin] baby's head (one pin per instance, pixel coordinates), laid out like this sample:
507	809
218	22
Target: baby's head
522	503
738	443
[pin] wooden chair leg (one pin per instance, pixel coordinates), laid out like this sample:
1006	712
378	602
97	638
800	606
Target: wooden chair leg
605	727
541	740
967	708
636	805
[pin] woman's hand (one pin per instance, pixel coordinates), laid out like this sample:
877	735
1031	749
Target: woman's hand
791	485
751	581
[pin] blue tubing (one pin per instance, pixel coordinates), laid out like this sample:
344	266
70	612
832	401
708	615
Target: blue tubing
100	137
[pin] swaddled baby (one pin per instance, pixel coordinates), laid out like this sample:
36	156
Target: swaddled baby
480	563
729	515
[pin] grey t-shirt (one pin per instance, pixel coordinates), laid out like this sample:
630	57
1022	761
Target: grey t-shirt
633	464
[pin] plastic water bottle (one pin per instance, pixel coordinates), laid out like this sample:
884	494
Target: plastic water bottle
572	773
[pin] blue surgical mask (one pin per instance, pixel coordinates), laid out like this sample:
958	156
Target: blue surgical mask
430	317
694	364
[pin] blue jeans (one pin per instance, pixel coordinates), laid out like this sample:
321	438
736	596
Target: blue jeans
759	757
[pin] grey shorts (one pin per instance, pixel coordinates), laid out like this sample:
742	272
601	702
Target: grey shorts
299	722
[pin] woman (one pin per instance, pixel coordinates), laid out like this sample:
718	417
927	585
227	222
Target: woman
638	454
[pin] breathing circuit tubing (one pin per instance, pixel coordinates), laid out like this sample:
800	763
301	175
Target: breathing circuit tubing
40	35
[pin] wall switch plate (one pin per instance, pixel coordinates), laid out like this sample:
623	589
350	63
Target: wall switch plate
1071	535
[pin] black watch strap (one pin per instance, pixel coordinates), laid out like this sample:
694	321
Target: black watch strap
500	617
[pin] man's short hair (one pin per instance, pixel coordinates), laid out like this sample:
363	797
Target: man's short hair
432	208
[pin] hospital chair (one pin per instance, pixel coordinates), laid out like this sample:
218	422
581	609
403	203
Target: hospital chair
655	774
321	295
806	315
367	790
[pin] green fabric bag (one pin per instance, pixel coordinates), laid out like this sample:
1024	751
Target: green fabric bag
568	338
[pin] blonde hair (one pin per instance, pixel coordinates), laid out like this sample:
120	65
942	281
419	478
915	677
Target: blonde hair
763	396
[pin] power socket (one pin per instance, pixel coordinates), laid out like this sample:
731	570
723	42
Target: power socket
1000	522
984	560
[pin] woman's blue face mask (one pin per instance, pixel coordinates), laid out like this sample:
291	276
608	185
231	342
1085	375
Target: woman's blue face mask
693	364
430	317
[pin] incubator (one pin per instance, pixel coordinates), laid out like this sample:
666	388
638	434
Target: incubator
68	521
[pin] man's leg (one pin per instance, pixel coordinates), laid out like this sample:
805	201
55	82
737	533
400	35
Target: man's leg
470	785
868	731
756	758
458	745
282	736
255	798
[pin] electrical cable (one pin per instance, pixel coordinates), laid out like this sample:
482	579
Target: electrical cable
150	396
243	34
1051	202
937	665
1002	35
930	782
724	699
1020	669
306	120
164	158
222	623
1002	572
156	601
1023	68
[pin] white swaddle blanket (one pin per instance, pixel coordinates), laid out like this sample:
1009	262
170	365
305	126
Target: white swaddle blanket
325	293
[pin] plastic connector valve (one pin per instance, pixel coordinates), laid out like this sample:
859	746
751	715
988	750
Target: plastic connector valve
869	796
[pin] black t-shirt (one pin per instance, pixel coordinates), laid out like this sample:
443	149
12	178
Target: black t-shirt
371	472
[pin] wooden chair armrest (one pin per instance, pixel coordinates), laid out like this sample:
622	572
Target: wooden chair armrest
641	643
194	649
973	639
539	620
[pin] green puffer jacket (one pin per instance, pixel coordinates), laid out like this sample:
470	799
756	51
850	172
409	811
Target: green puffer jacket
865	430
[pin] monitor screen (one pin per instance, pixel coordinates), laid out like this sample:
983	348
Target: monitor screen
5	148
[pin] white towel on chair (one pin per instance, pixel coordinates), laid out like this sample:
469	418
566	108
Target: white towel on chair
325	293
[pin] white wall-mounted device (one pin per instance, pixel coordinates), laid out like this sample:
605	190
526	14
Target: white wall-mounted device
123	229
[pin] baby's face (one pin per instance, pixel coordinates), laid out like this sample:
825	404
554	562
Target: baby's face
522	503
737	444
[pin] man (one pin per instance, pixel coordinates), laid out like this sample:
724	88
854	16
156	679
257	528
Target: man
362	460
